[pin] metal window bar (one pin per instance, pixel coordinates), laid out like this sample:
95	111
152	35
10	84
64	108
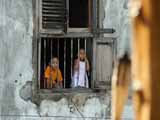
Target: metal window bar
44	40
58	47
49	46
39	65
64	63
71	59
78	46
85	44
58	56
51	82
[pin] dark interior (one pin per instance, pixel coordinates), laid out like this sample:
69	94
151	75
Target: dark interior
78	13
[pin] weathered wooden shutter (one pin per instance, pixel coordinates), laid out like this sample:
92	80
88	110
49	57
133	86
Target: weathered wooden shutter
104	47
53	14
104	62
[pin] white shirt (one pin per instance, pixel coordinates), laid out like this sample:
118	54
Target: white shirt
80	77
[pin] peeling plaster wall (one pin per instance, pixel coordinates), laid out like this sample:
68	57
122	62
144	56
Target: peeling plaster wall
16	57
16	31
117	17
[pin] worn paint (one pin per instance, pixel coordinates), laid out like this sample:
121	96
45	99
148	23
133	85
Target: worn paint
117	17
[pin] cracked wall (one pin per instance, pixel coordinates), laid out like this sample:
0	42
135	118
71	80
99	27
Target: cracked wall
117	17
16	31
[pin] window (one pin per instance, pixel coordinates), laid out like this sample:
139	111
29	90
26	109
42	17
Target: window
66	49
60	16
61	28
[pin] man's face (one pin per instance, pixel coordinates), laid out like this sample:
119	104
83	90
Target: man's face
82	54
54	63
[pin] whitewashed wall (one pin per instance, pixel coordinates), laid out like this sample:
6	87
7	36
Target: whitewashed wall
16	32
117	17
16	53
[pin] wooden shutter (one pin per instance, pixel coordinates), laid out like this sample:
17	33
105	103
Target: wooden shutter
53	14
104	62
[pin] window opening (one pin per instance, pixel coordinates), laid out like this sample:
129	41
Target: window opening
66	50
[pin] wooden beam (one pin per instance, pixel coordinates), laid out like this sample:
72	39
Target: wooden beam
120	85
146	61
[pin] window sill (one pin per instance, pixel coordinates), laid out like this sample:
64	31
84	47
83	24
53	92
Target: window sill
68	35
71	90
58	94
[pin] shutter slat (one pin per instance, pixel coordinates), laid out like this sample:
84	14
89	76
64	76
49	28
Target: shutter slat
50	26
53	5
52	8
52	19
55	23
53	1
53	14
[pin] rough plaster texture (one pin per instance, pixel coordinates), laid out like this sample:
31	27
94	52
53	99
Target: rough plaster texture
16	67
117	17
15	62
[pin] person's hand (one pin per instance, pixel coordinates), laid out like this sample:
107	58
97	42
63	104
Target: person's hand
86	59
87	64
54	82
60	84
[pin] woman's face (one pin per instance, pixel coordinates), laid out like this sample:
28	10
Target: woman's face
54	63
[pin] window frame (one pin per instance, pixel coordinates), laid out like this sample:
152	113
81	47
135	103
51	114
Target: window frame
39	58
68	29
37	33
90	18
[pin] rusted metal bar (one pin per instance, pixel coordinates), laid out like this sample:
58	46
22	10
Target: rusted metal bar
44	60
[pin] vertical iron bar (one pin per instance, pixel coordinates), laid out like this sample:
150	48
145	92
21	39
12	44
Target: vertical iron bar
78	46
64	63
58	49
51	60
45	61
85	44
71	58
39	64
58	55
51	49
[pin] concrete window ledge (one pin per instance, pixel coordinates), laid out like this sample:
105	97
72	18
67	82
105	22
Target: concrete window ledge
57	94
72	90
